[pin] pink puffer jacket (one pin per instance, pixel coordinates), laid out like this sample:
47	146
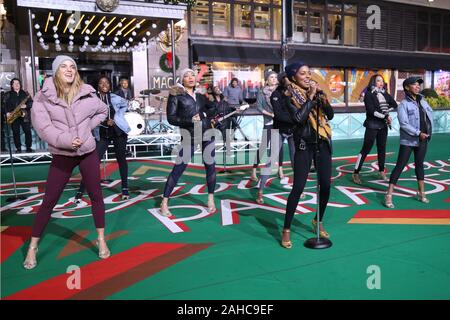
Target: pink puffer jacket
58	124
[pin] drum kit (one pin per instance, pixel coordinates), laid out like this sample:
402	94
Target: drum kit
138	115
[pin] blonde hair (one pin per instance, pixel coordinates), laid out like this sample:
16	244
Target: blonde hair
69	95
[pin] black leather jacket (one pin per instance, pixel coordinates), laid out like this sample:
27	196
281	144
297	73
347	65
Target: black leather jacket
374	112
282	120
303	130
182	107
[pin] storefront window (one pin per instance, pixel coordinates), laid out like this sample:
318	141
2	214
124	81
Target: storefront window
316	27
358	80
242	21
331	81
435	38
262	22
317	4
422	37
250	77
350	30
446	39
442	83
300	33
277	22
221	19
200	18
350	8
334	5
334	28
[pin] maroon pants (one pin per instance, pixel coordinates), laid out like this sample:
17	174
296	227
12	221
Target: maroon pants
59	174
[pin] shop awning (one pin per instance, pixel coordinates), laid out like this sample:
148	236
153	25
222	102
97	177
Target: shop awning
318	56
126	8
236	52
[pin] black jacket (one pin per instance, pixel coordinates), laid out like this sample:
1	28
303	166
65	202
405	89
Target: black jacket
375	118
182	107
282	120
303	130
13	99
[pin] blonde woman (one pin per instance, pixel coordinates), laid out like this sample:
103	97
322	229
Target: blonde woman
64	113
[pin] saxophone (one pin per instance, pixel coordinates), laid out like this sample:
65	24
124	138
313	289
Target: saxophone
18	111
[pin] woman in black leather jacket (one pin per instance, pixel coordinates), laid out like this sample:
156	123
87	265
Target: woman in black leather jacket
304	98
190	111
378	103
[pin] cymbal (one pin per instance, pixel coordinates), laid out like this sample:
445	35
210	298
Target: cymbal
150	91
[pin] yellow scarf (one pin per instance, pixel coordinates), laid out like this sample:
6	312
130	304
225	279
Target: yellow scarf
299	98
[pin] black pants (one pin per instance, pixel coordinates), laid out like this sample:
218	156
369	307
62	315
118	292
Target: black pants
403	158
26	127
120	150
369	138
302	164
181	164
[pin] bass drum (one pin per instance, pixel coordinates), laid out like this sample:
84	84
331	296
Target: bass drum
136	123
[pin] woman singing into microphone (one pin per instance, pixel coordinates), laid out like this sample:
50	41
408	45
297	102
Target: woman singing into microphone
302	105
378	104
188	109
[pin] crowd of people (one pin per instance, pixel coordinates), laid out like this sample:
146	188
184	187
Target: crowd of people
79	122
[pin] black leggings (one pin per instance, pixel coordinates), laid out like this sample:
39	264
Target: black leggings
369	138
120	150
403	158
181	165
301	169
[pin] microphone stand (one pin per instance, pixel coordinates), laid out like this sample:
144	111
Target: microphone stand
318	242
224	158
16	196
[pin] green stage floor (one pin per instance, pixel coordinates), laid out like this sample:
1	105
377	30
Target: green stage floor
377	253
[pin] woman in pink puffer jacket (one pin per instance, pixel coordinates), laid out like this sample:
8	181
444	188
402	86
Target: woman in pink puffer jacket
63	114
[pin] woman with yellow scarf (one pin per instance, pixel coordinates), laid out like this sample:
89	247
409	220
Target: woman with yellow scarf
305	99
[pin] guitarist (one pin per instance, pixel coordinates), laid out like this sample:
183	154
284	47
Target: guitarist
223	108
12	100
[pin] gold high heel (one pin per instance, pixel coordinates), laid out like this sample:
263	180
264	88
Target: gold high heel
211	207
388	201
322	233
165	213
356	179
280	173
286	244
422	197
259	198
27	264
105	253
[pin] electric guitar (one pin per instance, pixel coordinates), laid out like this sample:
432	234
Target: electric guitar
216	122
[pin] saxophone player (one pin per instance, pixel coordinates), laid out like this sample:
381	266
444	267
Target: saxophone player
13	99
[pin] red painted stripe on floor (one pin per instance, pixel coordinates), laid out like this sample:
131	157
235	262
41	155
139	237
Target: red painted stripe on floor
95	272
417	214
12	239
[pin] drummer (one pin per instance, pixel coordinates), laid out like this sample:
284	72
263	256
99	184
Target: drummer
124	90
114	129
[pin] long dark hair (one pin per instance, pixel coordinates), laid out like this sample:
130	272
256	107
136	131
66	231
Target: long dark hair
234	79
373	82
